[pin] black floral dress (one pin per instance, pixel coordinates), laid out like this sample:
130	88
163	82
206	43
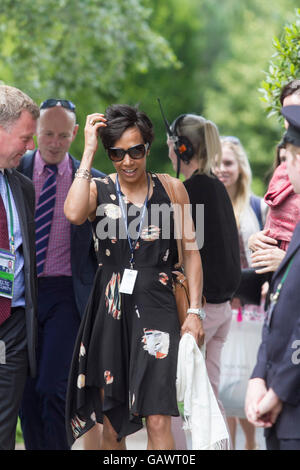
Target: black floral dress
127	344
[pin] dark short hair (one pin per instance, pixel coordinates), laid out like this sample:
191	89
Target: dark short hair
289	89
121	117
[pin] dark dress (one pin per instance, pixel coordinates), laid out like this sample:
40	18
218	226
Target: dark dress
127	344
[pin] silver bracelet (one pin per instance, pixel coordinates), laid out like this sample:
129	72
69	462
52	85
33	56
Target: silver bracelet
197	311
81	173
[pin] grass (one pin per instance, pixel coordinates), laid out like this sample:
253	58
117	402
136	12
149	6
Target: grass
19	435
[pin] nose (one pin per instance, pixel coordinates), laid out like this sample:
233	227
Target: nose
127	160
221	168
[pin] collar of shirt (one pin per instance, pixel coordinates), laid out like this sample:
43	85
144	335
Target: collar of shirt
2	170
40	164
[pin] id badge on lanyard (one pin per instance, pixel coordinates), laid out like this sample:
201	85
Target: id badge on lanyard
128	281
8	258
130	275
7	273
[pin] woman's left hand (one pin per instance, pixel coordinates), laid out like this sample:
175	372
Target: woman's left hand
193	324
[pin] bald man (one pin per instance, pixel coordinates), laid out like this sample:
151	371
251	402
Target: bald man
66	264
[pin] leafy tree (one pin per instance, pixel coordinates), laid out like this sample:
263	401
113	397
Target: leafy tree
284	65
78	49
195	30
233	100
202	56
69	45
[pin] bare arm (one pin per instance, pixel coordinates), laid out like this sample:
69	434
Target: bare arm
81	201
192	268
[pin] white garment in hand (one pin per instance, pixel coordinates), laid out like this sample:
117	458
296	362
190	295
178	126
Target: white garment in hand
202	415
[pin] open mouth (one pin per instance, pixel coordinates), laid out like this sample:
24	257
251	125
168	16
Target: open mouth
129	172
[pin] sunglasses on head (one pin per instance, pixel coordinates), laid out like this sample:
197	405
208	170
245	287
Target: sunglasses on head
52	102
136	152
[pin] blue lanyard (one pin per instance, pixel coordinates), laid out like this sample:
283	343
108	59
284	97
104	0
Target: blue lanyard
11	218
132	243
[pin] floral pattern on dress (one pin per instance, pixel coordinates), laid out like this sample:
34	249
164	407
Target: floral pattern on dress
156	343
113	297
77	426
163	278
108	377
81	381
166	255
82	351
150	233
112	211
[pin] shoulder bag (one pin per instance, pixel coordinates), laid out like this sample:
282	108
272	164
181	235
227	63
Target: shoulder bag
180	283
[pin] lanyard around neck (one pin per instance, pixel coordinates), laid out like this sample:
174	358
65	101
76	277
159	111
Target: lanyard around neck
132	243
11	217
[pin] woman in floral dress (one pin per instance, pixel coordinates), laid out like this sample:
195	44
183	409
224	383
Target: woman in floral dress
125	359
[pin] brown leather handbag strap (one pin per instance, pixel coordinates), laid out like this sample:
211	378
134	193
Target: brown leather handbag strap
167	183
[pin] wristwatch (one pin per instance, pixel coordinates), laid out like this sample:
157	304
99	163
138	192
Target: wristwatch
197	311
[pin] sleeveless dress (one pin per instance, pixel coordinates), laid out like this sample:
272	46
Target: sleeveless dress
127	344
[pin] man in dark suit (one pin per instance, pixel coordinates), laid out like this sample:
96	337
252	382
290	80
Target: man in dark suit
66	265
273	395
18	117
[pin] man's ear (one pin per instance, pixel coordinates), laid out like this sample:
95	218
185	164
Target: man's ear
75	130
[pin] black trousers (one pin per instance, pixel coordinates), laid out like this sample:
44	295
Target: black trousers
13	372
42	410
273	443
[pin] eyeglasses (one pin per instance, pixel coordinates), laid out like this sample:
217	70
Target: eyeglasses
52	102
136	152
230	138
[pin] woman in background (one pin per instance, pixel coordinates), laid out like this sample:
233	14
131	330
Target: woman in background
250	211
220	246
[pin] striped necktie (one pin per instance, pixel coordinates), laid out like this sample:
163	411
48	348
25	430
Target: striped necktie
43	216
5	304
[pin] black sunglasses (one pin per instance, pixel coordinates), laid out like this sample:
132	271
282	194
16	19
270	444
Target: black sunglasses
52	102
136	152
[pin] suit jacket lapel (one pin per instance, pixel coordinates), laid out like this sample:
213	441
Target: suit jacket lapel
27	164
293	247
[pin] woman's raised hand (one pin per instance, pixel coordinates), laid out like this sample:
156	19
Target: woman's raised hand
93	123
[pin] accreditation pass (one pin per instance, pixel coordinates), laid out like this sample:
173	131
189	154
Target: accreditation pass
128	281
7	270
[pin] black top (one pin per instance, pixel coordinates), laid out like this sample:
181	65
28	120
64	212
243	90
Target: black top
220	252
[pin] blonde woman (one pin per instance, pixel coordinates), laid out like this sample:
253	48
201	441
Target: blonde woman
249	210
194	143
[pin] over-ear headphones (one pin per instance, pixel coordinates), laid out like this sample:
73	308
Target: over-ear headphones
183	147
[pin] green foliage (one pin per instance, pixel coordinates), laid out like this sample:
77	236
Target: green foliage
82	50
62	47
19	434
284	65
202	56
233	100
